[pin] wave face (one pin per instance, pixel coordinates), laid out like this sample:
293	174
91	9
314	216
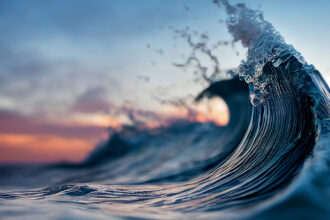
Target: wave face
272	160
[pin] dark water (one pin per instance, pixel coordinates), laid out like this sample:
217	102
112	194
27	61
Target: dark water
271	161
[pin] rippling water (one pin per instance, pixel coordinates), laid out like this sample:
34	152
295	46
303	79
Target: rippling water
271	161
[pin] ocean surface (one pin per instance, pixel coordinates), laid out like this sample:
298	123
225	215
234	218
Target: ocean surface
272	161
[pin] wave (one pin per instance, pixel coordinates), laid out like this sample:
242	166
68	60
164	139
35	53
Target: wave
271	160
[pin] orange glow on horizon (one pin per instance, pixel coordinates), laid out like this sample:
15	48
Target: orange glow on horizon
207	110
213	110
42	148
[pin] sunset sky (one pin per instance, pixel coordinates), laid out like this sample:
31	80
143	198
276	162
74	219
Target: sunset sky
70	69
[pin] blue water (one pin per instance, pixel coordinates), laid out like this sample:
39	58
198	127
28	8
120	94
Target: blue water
271	161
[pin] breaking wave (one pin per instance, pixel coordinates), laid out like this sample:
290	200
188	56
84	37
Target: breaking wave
272	160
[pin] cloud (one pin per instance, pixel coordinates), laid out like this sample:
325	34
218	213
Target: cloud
38	83
91	101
